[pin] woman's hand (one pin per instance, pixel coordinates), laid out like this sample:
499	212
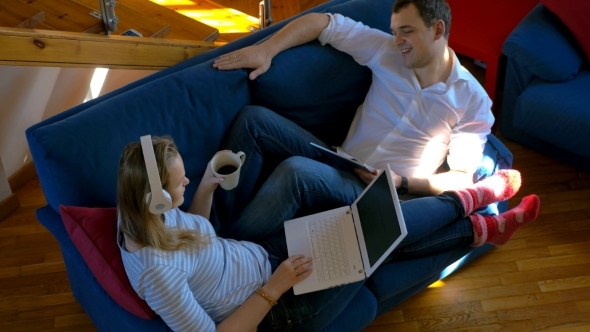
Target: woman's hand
291	271
209	182
247	316
256	57
203	198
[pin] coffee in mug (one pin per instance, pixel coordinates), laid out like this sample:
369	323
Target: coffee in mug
227	169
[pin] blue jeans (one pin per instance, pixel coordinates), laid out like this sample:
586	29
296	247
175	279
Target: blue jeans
267	139
282	179
311	311
301	186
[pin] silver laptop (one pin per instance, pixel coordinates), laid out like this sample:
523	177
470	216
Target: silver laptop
347	244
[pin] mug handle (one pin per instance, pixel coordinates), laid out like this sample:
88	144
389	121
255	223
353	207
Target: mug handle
242	156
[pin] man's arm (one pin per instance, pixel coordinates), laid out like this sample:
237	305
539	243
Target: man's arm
437	183
258	57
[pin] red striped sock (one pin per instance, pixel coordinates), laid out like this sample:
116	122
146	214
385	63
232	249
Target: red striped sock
496	188
499	229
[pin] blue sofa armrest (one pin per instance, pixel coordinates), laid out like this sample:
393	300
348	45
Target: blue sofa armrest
544	46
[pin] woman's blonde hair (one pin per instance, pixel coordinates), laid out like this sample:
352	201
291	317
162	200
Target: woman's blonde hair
137	222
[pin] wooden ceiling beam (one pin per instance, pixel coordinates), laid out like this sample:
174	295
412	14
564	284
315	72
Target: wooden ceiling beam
48	48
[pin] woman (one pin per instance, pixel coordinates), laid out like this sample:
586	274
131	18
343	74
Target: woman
197	281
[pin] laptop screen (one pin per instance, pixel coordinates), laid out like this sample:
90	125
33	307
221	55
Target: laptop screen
378	219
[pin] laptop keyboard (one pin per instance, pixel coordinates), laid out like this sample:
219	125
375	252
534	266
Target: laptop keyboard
329	252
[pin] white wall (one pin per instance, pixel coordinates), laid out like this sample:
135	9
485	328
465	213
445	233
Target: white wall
31	94
4	187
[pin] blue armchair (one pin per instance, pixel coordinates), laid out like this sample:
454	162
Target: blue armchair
546	101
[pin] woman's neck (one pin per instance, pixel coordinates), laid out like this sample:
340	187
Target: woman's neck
130	244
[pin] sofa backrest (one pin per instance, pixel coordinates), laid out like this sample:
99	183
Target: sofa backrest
77	157
319	87
76	152
543	45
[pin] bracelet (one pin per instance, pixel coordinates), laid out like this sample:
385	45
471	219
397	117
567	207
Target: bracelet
270	300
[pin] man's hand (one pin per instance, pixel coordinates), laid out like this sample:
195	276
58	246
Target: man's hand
368	177
256	57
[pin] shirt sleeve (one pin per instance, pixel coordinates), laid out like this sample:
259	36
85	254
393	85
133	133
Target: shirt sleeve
166	291
469	136
353	38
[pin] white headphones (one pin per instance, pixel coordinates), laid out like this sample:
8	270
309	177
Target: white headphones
159	199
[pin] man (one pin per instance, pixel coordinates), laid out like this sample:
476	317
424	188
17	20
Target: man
422	108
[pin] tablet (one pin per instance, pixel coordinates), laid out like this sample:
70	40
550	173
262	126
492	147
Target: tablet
340	161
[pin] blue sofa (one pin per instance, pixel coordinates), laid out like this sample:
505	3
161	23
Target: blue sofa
546	100
76	152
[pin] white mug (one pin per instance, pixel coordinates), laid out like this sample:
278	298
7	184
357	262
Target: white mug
227	165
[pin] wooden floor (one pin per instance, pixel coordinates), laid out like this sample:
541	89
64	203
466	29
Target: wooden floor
539	281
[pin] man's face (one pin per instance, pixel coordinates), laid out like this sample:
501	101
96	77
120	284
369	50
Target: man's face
412	37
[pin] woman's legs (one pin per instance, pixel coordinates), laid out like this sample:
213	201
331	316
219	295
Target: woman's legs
499	229
499	187
298	186
474	230
434	224
447	225
267	139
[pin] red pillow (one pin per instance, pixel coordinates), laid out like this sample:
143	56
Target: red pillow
94	233
575	15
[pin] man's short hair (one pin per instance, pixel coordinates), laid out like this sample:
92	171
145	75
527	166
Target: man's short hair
430	11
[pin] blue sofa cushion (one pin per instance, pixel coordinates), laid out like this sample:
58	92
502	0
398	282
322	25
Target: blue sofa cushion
549	51
195	106
557	113
495	157
300	84
293	88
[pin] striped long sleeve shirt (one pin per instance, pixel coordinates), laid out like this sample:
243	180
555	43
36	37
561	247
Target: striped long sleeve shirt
193	290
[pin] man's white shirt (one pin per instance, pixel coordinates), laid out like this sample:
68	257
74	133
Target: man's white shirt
399	123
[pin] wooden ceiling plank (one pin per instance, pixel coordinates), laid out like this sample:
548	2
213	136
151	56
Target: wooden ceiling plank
16	14
66	15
